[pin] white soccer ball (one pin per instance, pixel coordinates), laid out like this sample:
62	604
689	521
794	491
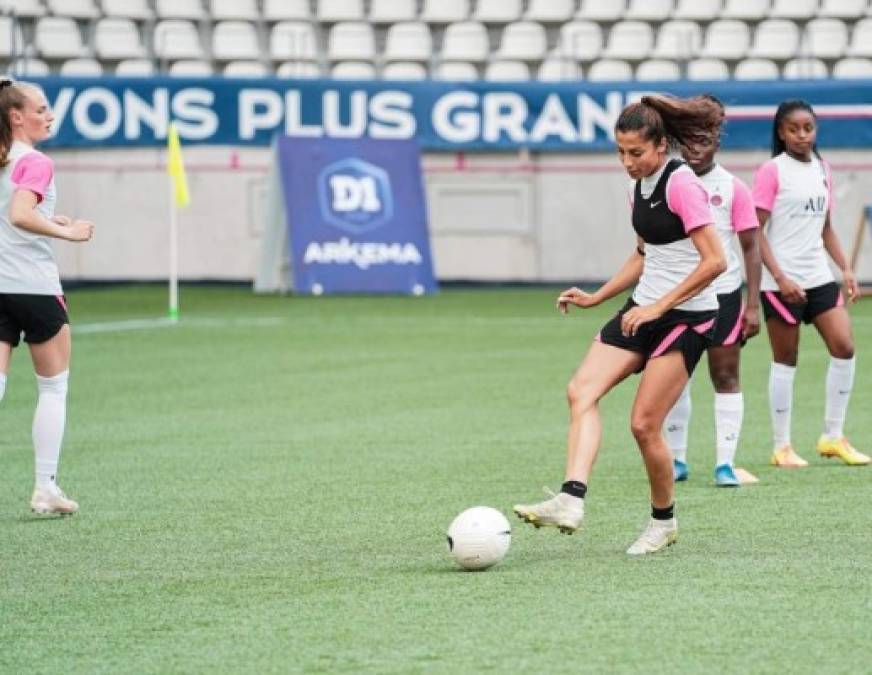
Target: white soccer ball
479	538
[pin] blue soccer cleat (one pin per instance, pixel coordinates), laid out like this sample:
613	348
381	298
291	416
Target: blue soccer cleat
680	470
726	477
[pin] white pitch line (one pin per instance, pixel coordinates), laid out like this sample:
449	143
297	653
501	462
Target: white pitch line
149	324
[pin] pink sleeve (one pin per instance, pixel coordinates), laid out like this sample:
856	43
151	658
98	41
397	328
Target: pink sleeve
743	215
688	200
828	171
765	186
33	172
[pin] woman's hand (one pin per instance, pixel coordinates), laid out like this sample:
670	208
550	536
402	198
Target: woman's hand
790	291
79	230
750	322
851	286
633	319
575	296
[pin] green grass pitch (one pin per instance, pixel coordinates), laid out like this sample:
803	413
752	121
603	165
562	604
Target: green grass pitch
266	488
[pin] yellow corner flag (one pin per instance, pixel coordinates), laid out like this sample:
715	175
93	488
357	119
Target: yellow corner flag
176	167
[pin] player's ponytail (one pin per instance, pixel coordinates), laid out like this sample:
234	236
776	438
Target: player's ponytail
11	96
678	120
784	109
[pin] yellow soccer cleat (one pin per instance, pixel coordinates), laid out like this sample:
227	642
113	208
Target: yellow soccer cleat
786	458
839	447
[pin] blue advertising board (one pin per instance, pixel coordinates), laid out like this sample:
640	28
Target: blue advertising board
356	216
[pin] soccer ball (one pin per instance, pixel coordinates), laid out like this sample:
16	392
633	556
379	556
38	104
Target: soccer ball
479	538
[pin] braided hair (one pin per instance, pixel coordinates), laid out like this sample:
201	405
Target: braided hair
784	109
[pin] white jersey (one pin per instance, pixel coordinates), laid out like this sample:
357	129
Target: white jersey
798	196
27	263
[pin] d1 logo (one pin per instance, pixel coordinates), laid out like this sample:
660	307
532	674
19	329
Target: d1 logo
355	196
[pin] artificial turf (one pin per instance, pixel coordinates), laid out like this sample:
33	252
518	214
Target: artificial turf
265	487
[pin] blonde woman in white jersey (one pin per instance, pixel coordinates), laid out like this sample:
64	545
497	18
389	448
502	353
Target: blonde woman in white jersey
793	193
31	299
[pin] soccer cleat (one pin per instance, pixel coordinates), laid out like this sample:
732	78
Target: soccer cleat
50	499
680	470
786	458
658	535
726	477
562	511
839	447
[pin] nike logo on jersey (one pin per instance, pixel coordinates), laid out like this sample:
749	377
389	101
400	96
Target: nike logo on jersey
653	204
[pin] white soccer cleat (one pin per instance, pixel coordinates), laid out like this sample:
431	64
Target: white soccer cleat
562	511
658	535
50	499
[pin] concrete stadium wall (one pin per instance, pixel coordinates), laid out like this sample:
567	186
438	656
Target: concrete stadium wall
505	217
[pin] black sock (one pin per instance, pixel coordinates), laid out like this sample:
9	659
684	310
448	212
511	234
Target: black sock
575	488
662	514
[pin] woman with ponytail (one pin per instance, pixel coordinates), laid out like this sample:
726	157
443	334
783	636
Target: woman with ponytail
664	327
793	194
31	299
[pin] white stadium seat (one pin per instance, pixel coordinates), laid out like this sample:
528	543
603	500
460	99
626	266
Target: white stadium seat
556	69
128	9
550	11
861	39
351	41
392	11
507	71
629	40
707	69
610	70
303	70
756	69
456	71
293	41
11	43
680	39
58	37
445	11
247	69
601	10
793	9
404	70
750	10
697	10
81	68
191	68
286	10
465	41
497	11
848	69
353	70
408	42
523	41
233	10
29	68
842	9
582	40
658	70
825	38
75	9
805	69
134	68
234	41
177	39
775	39
23	8
649	10
116	39
180	9
726	39
331	11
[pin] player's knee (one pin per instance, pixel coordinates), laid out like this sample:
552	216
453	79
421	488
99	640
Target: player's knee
576	396
842	349
644	427
787	358
725	381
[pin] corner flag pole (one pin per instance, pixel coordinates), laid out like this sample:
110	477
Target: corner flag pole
179	198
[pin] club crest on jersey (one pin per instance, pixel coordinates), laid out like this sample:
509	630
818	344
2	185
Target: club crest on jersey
716	200
355	196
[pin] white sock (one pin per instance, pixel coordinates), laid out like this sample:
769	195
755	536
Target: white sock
48	425
840	381
729	409
781	401
676	423
2	385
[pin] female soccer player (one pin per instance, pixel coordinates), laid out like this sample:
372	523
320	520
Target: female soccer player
793	193
666	325
31	299
733	212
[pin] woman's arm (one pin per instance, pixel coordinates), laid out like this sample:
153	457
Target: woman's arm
789	289
751	253
625	277
834	248
23	214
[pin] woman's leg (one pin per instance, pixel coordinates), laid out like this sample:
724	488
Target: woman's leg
729	408
784	340
5	358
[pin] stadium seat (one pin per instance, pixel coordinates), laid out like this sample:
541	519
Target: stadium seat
556	69
610	70
392	11
81	68
842	9
286	10
252	69
351	41
177	39
234	41
23	9
128	9
775	39
116	39
848	69
465	41
445	11
707	69
756	69
825	38
11	43
550	11
456	71
648	10
29	68
404	70
233	10
304	70
793	9
191	68
601	10
134	68
75	9
805	69
180	9
293	41
58	37
631	40
497	11
523	41
726	39
678	39
353	70
507	71
697	10
582	40
409	41
657	70
861	39
332	11
750	10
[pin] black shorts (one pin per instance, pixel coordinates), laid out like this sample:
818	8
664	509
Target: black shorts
39	317
817	301
728	329
688	332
